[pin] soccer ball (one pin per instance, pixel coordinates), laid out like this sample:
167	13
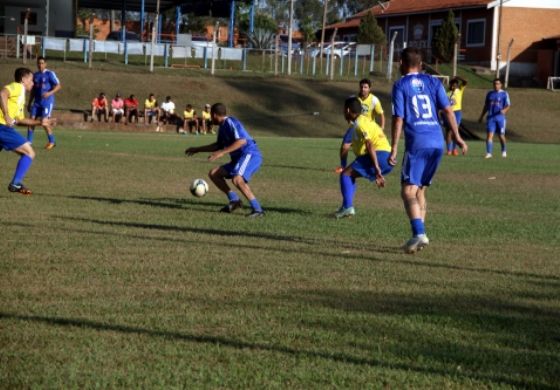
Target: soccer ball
199	188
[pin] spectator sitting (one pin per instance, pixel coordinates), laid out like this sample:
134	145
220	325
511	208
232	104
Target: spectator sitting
205	121
190	121
151	109
168	114
99	106
131	108
117	108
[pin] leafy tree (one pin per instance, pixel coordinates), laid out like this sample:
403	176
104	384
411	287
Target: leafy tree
445	38
370	32
264	30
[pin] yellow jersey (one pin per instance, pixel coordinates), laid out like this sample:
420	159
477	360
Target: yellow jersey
205	115
456	98
371	106
366	129
150	104
16	102
189	114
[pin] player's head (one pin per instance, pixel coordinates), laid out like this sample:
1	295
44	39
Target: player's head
189	106
168	98
453	84
497	84
218	112
101	95
24	76
352	108
41	63
151	96
131	97
365	87
207	106
411	60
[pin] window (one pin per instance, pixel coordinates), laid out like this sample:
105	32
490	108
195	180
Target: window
475	32
32	21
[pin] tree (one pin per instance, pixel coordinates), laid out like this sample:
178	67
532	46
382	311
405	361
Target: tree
264	30
370	32
445	38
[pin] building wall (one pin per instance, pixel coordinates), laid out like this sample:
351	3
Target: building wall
61	18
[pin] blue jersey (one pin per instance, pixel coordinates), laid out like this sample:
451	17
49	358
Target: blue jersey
44	82
230	131
416	99
496	101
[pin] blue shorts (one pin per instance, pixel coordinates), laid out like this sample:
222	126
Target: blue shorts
458	118
496	124
347	139
245	166
420	166
41	110
364	166
10	139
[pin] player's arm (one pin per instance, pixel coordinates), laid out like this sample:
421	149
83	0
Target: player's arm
508	105
379	110
4	95
56	88
238	144
379	179
396	130
206	148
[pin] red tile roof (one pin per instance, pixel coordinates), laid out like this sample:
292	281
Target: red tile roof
415	6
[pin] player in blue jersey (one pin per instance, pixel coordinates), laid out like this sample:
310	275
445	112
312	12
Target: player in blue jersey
12	104
497	104
245	161
417	98
41	103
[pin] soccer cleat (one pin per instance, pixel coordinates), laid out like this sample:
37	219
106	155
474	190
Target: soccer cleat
50	146
416	243
256	214
504	154
488	155
345	212
19	188
455	152
231	206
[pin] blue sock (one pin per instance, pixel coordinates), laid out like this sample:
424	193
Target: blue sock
232	196
417	226
21	169
255	204
343	162
30	134
347	187
503	148
489	147
51	138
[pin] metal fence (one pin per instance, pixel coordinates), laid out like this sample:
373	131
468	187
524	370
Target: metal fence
362	60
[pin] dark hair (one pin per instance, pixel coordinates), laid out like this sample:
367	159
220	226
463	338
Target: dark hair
20	73
454	81
354	105
168	98
411	57
365	81
219	109
41	58
131	96
151	94
497	79
101	93
189	105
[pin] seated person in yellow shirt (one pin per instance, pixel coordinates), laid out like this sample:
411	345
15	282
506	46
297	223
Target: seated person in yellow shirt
12	103
190	122
372	151
205	121
151	109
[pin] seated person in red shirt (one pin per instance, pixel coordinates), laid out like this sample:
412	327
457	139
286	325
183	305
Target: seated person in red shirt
117	108
131	108
99	106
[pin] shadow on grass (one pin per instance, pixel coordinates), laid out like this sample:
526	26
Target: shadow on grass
222	341
510	340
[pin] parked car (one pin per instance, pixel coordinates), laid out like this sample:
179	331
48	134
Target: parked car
341	49
117	36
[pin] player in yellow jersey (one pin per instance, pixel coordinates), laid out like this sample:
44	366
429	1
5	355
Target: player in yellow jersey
372	151
456	88
12	103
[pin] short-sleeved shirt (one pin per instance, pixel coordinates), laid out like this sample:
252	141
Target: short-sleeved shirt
168	107
371	106
117	104
366	129
205	115
496	101
417	98
189	114
130	103
149	104
99	102
232	130
43	82
456	98
16	102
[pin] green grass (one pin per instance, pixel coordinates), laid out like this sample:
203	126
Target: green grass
112	275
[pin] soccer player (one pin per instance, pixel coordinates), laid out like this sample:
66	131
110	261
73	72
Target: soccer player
41	102
12	104
245	161
456	88
372	155
416	100
497	104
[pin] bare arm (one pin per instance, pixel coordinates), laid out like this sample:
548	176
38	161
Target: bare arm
4	95
379	179
382	121
206	148
56	88
506	109
448	112
238	144
396	130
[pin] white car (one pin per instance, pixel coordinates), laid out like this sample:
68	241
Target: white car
341	49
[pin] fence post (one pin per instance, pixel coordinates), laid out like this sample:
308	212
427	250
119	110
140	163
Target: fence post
165	51
341	62
126	52
371	57
43	48
390	58
276	49
356	63
245	53
314	67
205	56
18	37
508	62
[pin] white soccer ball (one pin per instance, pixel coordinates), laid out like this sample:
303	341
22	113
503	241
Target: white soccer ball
199	188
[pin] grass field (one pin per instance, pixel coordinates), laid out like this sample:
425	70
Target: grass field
112	275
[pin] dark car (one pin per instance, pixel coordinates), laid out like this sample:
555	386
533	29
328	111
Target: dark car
117	36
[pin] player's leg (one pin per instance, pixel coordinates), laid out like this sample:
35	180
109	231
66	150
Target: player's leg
218	176
502	136
348	190
449	140
242	186
490	128
48	129
31	129
243	170
458	119
10	139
